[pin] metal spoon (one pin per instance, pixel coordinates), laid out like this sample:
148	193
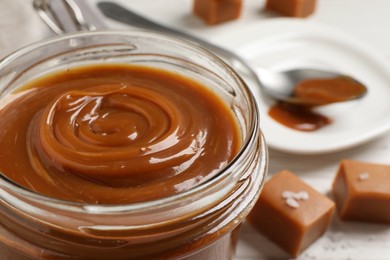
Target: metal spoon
279	86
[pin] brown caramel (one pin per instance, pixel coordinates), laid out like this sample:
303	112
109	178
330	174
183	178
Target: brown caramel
291	213
217	11
362	191
297	117
113	134
326	91
294	8
310	93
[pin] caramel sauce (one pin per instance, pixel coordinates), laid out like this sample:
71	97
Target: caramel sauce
314	92
326	91
112	134
300	118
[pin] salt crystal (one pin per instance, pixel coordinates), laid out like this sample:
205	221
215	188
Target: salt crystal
302	195
364	176
291	202
287	194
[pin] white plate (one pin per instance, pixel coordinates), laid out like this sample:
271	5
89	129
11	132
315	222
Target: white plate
19	25
283	43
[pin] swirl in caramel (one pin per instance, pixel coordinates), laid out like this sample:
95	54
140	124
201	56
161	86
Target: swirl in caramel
115	134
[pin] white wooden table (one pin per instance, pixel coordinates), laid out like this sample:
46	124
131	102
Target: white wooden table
369	21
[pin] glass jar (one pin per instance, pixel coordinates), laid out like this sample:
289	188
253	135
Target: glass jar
200	223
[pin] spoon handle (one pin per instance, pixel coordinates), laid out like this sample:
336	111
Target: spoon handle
121	14
66	16
80	16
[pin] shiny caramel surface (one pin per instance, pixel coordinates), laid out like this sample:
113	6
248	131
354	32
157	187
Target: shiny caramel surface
326	91
301	118
112	134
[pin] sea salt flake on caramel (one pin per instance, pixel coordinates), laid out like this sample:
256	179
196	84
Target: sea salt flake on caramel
299	223
362	191
293	197
217	11
287	194
302	195
291	202
364	176
294	8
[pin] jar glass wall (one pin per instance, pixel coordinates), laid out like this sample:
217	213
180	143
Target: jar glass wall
199	223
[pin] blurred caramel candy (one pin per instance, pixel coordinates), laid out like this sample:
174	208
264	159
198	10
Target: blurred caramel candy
294	8
217	11
362	191
291	213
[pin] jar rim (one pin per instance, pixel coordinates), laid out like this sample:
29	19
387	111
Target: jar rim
116	208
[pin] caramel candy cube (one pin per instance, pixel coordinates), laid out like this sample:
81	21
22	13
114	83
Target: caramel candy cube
217	11
294	8
362	191
291	213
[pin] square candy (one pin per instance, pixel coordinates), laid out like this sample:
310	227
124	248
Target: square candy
362	191
291	213
217	11
294	8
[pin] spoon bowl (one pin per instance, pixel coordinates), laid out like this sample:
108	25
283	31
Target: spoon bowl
311	87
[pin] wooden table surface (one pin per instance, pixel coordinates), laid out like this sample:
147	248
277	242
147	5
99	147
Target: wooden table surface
369	22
